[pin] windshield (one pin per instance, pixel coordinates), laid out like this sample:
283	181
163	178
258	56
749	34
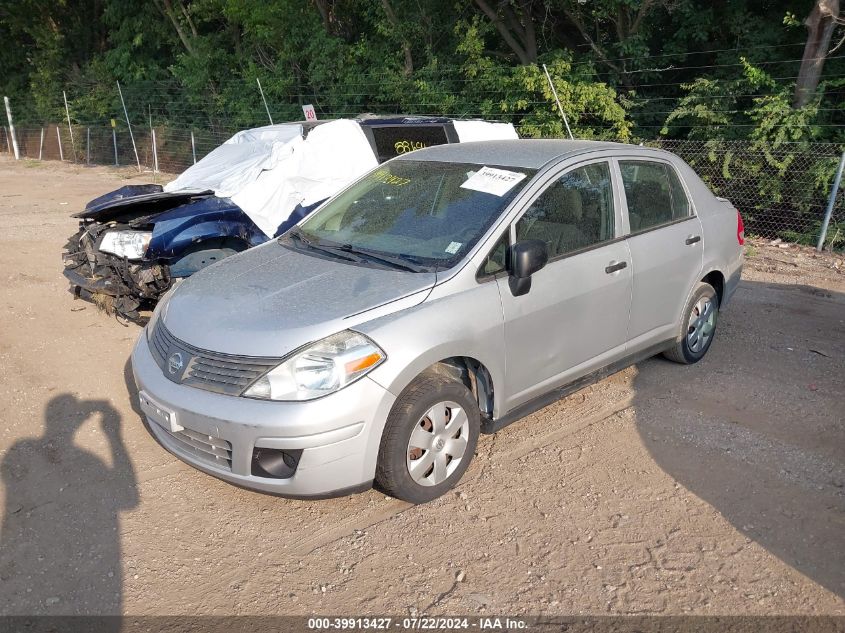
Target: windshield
425	212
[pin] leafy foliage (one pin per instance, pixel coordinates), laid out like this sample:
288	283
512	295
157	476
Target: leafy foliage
720	76
623	68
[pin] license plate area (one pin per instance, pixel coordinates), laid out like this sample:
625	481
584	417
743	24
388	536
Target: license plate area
159	414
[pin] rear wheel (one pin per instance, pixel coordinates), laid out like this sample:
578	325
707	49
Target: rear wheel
429	439
698	326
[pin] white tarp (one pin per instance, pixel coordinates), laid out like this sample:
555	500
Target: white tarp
484	131
269	171
239	161
334	154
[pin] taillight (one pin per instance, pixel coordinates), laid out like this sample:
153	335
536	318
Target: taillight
740	229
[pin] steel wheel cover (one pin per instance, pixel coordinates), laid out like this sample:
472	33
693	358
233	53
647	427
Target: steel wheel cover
437	444
702	322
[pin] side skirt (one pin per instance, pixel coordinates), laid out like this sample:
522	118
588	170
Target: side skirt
489	426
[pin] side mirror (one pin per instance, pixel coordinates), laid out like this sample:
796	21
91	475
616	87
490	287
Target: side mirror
526	258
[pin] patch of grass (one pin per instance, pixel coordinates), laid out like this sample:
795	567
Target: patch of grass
751	251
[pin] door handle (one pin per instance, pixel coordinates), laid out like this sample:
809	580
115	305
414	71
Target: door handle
615	267
692	239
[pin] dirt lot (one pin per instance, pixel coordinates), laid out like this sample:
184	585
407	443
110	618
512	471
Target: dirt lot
712	489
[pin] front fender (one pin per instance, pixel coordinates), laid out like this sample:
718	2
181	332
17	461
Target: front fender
177	230
466	323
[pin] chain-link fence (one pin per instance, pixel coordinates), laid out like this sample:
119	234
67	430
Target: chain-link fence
782	192
175	149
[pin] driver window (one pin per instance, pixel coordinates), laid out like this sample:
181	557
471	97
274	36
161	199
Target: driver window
575	212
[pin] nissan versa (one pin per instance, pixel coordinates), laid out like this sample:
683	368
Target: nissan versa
449	292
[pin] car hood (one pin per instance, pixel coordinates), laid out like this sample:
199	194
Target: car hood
272	299
133	201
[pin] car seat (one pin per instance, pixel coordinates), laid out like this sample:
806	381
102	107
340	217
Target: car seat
648	205
559	211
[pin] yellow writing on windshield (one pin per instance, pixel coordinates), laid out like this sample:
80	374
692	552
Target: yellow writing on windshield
384	176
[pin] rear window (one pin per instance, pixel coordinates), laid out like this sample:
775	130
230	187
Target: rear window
393	140
654	194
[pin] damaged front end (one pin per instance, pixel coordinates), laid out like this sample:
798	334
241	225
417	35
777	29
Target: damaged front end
116	283
133	242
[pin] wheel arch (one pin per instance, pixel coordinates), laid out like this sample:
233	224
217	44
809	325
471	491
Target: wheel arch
716	279
473	374
475	368
204	252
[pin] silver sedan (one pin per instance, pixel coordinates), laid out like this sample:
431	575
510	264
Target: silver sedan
449	292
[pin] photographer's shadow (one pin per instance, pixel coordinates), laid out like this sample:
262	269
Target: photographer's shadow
60	550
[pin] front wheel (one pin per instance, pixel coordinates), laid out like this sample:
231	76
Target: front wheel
698	326
429	439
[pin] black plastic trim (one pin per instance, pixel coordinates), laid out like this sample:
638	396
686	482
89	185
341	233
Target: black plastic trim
287	469
107	286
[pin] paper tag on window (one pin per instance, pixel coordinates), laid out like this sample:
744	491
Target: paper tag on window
492	180
453	248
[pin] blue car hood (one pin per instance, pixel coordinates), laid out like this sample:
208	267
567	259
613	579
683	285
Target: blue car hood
272	299
118	195
136	200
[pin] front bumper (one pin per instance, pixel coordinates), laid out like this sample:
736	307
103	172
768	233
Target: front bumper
103	285
339	434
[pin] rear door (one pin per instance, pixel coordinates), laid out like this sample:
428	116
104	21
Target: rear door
575	317
666	247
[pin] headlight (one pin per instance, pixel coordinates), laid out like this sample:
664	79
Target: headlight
128	244
320	369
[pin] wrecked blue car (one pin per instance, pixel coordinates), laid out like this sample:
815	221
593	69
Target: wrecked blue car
133	242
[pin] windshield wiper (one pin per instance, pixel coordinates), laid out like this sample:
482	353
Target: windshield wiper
294	233
397	261
297	235
355	254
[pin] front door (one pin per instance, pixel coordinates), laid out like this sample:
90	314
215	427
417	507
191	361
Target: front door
575	317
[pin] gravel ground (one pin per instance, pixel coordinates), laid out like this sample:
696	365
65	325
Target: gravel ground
710	489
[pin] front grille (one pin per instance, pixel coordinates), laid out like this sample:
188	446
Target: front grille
212	371
209	449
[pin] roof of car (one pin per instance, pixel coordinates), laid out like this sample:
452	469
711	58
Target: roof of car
528	153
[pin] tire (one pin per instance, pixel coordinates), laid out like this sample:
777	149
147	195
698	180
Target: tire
696	335
411	440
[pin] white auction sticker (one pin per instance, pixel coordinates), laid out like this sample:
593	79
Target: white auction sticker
492	180
453	248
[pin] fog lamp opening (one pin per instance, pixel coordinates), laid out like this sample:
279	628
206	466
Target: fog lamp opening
275	463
